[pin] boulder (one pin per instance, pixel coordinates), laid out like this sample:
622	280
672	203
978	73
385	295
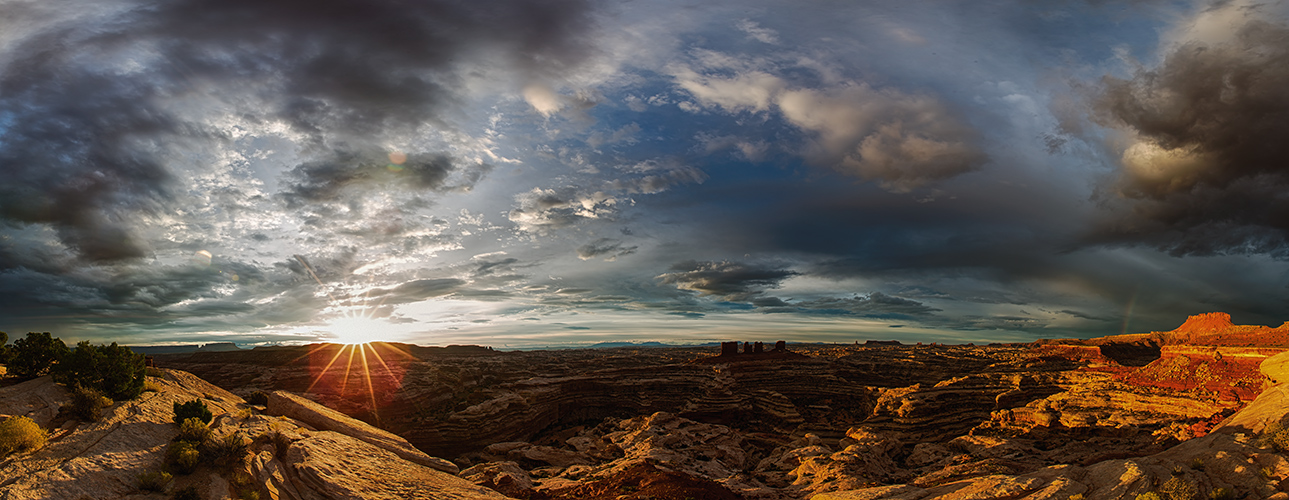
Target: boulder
289	405
345	468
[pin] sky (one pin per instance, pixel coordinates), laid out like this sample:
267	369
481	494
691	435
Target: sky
518	173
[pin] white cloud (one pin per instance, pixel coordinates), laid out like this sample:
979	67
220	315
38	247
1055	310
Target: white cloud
756	32
745	91
902	140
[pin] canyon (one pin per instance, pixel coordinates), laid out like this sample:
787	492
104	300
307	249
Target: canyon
1106	418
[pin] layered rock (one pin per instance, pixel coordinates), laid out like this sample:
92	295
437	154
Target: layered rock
1228	459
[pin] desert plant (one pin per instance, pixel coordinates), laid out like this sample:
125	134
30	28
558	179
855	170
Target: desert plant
154	372
1197	463
1222	494
193	431
150	386
192	409
188	493
34	355
226	452
112	369
258	398
183	456
88	403
20	433
154	481
248	494
1178	488
1149	495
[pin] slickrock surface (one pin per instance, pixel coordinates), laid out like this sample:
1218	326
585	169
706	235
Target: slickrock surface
322	418
291	460
1226	459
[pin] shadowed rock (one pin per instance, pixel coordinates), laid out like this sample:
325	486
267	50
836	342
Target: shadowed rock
322	418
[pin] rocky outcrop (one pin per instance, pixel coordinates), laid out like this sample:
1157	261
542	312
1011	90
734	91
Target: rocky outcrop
289	460
322	418
1228	459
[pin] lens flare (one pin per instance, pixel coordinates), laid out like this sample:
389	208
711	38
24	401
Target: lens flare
354	329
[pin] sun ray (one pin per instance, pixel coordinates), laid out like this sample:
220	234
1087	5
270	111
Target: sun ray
308	354
344	383
325	369
400	352
371	391
382	361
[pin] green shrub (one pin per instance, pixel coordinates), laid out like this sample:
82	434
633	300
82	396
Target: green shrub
227	452
183	456
20	433
154	481
248	494
188	493
153	372
34	355
258	398
112	369
87	403
192	409
192	430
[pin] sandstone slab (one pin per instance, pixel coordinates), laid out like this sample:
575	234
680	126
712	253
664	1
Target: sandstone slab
322	418
345	468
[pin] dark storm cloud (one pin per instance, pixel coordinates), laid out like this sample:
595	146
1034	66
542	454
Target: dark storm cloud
876	304
90	123
132	299
731	281
339	176
873	305
608	248
417	290
1209	174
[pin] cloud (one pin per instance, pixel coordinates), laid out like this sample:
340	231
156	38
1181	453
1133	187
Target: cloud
730	281
1205	171
609	249
876	304
418	290
873	305
901	140
748	149
757	32
345	176
97	111
543	210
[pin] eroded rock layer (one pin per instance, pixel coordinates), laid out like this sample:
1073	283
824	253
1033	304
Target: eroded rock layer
1106	418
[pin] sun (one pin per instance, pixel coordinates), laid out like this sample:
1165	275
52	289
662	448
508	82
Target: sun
355	329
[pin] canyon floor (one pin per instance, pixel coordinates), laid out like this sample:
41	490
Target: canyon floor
1179	413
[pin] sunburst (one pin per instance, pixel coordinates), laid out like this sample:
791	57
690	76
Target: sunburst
357	334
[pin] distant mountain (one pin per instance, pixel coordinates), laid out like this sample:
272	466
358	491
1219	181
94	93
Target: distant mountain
610	345
184	349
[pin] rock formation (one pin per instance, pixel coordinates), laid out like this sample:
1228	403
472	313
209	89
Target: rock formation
1106	418
290	460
